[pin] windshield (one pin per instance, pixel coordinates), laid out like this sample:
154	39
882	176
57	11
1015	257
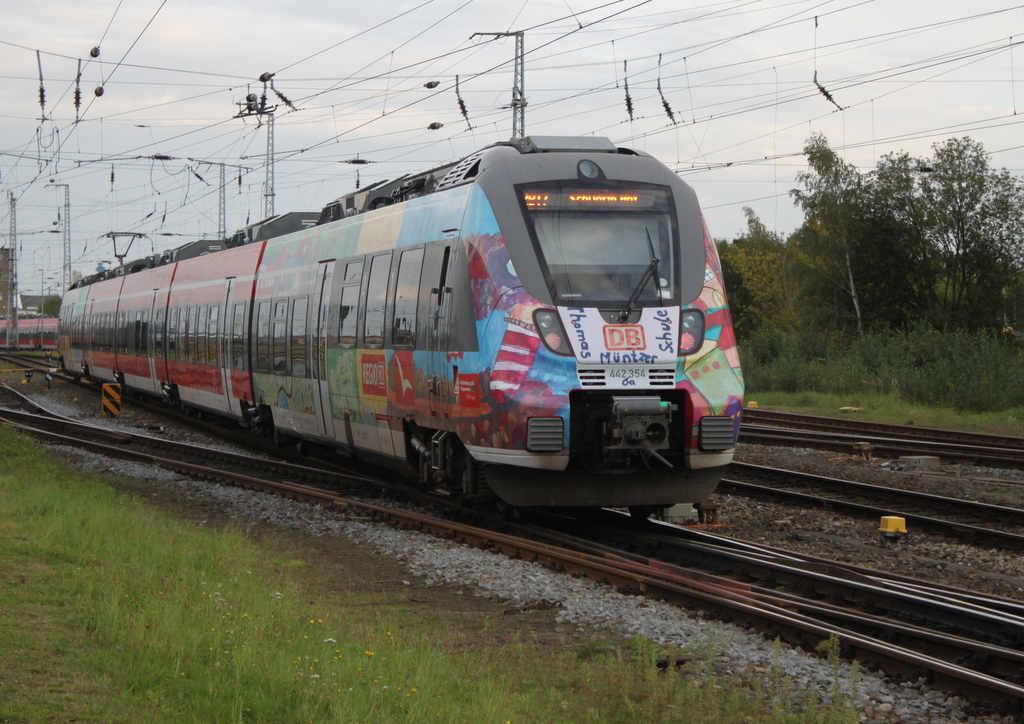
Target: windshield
597	245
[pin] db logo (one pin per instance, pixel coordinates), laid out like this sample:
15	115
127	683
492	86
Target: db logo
374	374
625	337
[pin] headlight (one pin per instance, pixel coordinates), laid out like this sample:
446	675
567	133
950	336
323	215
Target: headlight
551	331
691	331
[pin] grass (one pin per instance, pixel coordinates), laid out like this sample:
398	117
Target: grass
117	611
884	408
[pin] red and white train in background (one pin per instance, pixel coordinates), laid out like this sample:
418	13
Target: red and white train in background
33	333
543	320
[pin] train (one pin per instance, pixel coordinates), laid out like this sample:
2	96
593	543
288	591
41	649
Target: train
543	322
34	333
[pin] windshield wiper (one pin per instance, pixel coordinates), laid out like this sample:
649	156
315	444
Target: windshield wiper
652	270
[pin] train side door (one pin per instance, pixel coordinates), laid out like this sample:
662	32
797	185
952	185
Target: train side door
321	315
223	345
440	385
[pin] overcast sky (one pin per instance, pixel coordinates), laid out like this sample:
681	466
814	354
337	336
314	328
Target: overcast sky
746	81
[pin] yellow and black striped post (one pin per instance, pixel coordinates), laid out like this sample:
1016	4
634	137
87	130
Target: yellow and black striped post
111	399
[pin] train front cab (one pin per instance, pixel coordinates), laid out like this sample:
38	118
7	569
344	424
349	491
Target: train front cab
617	352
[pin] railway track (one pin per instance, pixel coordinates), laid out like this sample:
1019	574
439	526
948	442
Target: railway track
963	642
770	428
756	416
949	623
965	519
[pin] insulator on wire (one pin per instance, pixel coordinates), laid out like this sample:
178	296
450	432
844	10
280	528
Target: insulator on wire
42	90
824	92
462	103
664	101
625	85
78	90
111	178
281	95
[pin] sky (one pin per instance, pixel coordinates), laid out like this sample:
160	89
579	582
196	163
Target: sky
725	93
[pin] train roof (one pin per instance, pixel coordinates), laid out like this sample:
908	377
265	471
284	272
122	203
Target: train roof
382	193
455	173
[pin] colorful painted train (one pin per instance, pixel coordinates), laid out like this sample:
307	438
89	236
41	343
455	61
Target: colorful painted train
32	333
543	320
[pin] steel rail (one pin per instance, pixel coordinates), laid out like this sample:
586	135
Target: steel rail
892	502
755	417
995	457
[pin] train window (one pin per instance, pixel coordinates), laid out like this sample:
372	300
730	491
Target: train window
183	334
376	296
280	335
298	339
354	271
144	334
122	333
190	335
172	333
158	333
601	245
263	338
403	331
347	316
137	333
238	337
201	336
211	345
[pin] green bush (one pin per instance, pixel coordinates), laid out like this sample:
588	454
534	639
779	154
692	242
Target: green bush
977	372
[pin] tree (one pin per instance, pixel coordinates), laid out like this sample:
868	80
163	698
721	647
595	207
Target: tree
975	221
830	199
895	260
758	269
